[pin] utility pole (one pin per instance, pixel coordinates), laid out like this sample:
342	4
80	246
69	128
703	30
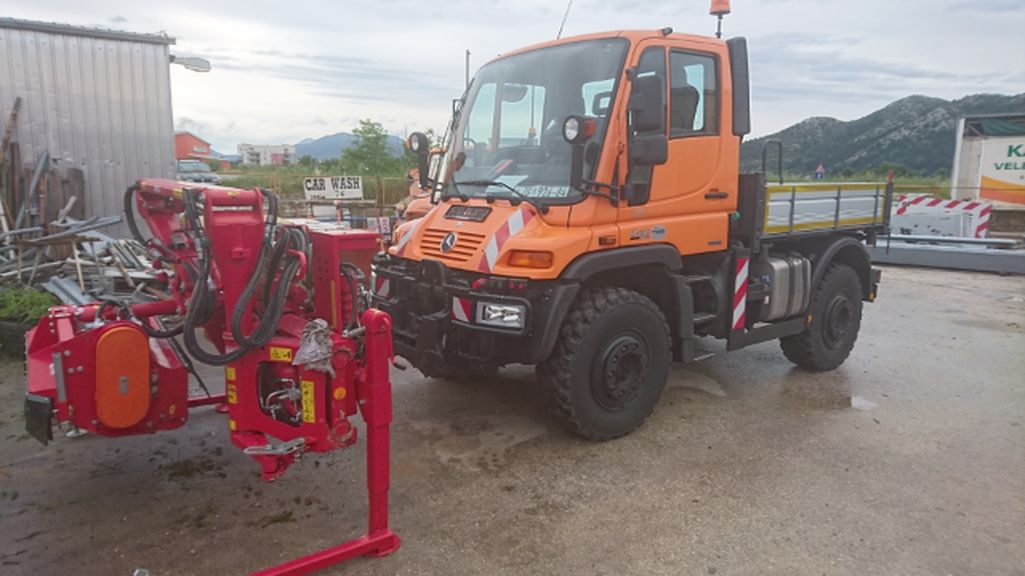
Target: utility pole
467	68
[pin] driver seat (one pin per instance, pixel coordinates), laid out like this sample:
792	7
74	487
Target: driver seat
683	105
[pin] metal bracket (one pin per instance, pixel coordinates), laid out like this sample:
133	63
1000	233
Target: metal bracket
283	449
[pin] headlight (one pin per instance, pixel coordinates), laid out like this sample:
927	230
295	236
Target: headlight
501	315
579	129
571	129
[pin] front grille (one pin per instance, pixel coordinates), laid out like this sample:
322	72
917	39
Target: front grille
465	247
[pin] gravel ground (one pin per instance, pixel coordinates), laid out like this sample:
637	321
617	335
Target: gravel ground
909	459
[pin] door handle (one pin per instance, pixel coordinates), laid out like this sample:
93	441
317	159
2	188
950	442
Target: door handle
716	195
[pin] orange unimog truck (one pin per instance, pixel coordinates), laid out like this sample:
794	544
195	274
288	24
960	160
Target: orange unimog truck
591	220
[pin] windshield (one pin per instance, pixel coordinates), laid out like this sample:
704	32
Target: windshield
508	140
193	167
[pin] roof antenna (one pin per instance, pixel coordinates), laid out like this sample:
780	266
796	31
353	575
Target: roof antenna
564	16
719	9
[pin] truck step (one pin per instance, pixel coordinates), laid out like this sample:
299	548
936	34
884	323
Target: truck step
702	317
696	278
702	355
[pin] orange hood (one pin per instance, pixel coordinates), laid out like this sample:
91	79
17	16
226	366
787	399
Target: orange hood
478	237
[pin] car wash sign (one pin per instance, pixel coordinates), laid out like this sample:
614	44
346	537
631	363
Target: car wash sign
333	187
1003	170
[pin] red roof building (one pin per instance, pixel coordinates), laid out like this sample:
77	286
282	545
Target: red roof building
188	146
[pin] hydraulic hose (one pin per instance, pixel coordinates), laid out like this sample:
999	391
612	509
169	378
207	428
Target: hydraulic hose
354	279
274	299
129	209
201	304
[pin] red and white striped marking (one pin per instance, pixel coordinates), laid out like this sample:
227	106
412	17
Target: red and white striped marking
740	295
407	235
980	210
461	309
511	227
382	287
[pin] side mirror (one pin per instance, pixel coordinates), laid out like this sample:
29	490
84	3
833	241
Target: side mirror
420	145
649	149
647	104
649	145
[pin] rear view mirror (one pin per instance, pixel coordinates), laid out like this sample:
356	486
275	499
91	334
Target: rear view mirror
647	104
649	150
513	92
420	144
649	145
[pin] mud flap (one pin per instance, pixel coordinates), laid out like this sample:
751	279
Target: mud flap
39	417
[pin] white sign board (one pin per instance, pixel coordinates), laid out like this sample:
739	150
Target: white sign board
333	187
1002	176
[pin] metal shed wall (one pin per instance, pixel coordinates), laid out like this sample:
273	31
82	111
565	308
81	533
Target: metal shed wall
95	99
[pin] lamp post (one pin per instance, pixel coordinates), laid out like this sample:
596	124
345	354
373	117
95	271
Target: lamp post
193	63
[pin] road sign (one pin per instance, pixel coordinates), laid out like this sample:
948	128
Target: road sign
333	187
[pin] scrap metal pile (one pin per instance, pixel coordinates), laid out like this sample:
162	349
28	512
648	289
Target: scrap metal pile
47	242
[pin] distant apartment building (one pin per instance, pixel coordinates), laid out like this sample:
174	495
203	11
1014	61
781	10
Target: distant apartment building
266	154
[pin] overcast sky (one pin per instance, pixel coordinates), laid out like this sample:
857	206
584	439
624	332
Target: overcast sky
284	71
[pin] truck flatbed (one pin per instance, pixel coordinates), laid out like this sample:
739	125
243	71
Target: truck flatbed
792	208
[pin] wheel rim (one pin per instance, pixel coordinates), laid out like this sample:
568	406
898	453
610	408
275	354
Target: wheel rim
839	320
618	371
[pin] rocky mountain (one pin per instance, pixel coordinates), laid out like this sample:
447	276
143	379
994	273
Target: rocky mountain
330	147
916	133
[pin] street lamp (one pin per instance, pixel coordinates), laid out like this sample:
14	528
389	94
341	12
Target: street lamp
193	63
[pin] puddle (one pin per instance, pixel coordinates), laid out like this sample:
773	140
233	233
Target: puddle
859	403
683	378
477	444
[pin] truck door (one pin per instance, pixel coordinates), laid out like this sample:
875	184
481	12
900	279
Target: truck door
692	194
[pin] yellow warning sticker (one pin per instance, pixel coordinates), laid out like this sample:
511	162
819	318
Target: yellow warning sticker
309	402
279	354
231	425
232	393
229	373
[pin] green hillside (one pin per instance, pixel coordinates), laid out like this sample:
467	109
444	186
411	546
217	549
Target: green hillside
915	134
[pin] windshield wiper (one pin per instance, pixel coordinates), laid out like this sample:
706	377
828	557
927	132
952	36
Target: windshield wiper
539	206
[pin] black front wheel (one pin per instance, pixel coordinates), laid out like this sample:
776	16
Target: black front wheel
835	320
610	365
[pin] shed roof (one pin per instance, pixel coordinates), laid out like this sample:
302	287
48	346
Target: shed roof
91	32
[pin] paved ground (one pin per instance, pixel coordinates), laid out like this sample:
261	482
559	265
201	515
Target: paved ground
909	459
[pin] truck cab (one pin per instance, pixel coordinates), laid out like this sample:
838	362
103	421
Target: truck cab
591	220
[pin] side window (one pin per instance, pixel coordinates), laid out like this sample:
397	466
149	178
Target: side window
597	97
693	95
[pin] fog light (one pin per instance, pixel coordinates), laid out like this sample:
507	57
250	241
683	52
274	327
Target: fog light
501	315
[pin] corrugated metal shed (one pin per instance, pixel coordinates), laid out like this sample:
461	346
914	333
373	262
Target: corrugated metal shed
96	99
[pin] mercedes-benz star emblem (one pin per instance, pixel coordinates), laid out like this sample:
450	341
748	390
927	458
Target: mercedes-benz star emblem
448	242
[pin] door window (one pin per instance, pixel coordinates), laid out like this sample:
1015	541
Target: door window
693	95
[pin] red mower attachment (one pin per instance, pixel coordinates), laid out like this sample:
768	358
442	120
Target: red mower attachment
283	309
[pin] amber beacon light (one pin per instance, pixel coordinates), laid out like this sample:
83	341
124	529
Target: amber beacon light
719	9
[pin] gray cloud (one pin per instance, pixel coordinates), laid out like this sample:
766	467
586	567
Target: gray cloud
400	61
822	68
355	79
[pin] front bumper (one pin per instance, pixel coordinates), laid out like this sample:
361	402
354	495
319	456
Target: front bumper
435	320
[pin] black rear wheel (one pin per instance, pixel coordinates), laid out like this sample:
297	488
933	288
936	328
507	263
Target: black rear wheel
610	365
835	320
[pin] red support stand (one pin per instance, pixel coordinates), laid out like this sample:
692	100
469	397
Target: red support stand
374	396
